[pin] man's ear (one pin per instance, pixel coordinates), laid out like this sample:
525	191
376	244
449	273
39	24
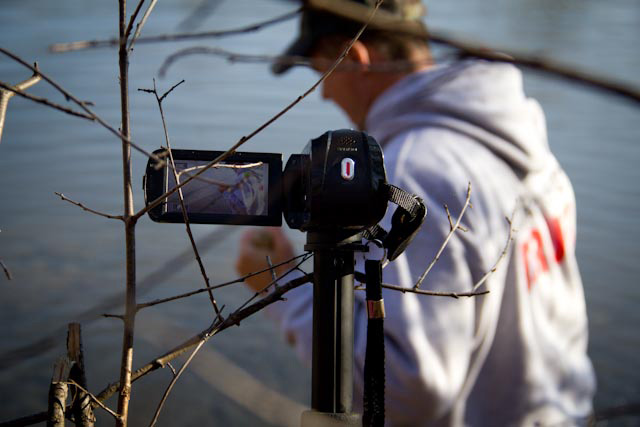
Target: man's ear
360	54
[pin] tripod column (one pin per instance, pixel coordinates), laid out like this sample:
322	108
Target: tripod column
332	364
332	376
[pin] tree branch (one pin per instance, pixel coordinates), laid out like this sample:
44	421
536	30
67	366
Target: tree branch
44	101
83	207
81	45
93	398
143	21
8	91
132	19
222	285
176	376
203	271
233	319
452	229
543	65
455	295
501	257
83	105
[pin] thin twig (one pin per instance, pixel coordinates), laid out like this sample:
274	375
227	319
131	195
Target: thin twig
113	316
274	277
544	65
274	282
233	319
83	207
452	229
173	370
6	270
132	19
432	293
221	285
175	378
8	91
44	101
281	113
141	24
82	104
547	66
502	254
93	398
80	45
236	57
185	216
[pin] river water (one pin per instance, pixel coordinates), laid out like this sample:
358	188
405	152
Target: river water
64	261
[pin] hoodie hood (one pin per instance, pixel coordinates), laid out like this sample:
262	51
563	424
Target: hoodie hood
482	100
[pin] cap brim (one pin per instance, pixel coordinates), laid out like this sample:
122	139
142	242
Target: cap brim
300	48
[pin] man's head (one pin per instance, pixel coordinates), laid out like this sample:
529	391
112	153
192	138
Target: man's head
393	45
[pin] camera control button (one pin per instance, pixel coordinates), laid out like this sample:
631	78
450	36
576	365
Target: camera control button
347	169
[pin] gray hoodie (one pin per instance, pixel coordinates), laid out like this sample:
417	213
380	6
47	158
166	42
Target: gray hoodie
516	356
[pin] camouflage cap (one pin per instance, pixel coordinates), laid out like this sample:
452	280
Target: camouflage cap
322	18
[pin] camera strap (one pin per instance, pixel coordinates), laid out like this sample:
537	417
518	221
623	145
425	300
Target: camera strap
374	374
405	222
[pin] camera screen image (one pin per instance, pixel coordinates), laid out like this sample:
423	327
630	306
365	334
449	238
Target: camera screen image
226	188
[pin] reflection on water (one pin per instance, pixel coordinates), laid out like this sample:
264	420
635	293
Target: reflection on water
64	260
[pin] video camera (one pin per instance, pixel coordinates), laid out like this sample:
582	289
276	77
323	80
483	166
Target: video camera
336	190
337	183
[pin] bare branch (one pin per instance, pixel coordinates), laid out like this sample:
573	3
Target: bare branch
432	293
282	112
180	195
6	270
44	101
132	19
274	277
80	45
203	340
83	207
113	316
8	91
232	57
233	319
82	104
222	285
501	257
173	370
141	23
453	228
547	66
93	398
544	65
126	358
164	95
174	380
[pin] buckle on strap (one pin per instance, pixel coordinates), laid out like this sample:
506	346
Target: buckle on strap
375	309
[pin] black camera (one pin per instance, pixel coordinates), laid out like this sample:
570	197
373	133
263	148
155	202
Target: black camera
338	182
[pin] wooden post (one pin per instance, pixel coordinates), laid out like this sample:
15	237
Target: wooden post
58	393
81	405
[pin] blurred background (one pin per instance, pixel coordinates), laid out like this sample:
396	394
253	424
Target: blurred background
65	261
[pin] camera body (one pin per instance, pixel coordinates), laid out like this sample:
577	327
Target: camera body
336	183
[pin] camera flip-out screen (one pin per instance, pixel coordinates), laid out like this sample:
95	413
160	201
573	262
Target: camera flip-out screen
244	189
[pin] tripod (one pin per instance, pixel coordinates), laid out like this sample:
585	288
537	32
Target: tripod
332	359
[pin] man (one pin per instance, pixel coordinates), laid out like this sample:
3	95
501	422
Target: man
516	356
